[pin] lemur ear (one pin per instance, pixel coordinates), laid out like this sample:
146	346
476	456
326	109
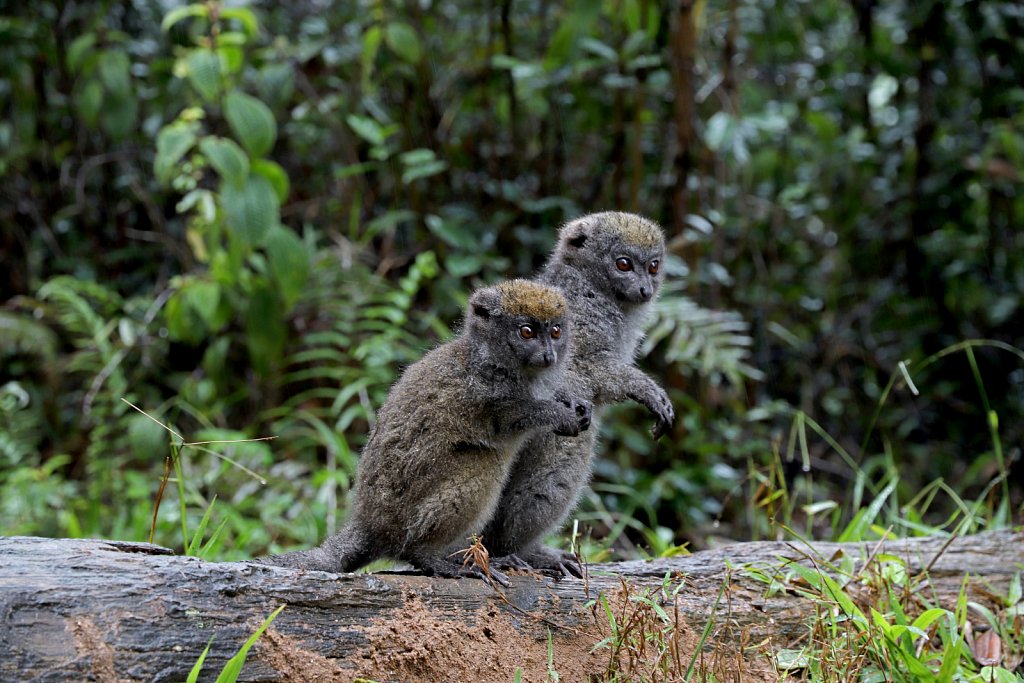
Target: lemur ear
485	303
576	233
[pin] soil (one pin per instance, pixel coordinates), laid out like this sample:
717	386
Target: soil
416	643
487	646
90	644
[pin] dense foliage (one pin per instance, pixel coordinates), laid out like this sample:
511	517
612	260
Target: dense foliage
245	219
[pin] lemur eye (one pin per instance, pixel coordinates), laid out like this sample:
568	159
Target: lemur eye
527	332
556	331
653	266
624	264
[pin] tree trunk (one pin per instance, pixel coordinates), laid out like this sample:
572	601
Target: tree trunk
114	611
684	50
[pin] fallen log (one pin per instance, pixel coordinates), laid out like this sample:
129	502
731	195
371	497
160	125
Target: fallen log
73	609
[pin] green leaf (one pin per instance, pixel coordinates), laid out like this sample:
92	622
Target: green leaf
202	200
193	675
204	73
865	517
631	13
417	156
211	543
463	265
265	331
251	121
423	171
276	83
560	45
227	158
148	439
203	297
884	626
289	263
928	617
721	129
401	38
79	47
388	220
89	100
275	174
119	115
793	659
354	169
226	266
602	50
183	323
197	537
996	674
115	72
819	507
172	143
452	232
831	590
235	39
1013	595
916	667
579	23
371	46
611	617
985	613
251	209
244	16
420	163
231	670
179	13
232	57
367	129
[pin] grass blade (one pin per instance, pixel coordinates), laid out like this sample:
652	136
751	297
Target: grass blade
231	670
193	675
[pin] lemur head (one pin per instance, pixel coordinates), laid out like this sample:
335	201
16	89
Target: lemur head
620	253
525	317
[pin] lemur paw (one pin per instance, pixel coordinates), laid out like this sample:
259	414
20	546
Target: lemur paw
664	413
553	562
577	418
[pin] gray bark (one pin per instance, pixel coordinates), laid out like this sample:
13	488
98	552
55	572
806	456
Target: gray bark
113	611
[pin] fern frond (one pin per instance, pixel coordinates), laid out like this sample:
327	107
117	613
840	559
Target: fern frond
21	334
21	423
81	306
362	329
707	341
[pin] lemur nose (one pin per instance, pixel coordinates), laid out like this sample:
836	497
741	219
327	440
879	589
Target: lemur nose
645	292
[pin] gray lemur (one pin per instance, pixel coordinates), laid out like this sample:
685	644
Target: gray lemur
436	461
608	266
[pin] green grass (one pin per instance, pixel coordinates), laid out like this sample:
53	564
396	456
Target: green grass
879	624
233	667
643	634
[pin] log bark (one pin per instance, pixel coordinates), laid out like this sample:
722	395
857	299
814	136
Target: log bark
115	611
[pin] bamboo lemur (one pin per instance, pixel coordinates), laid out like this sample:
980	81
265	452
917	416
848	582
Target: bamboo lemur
608	266
439	455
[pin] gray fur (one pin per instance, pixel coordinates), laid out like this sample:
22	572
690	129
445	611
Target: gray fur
607	309
436	461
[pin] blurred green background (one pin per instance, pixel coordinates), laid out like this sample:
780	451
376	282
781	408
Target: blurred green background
245	219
